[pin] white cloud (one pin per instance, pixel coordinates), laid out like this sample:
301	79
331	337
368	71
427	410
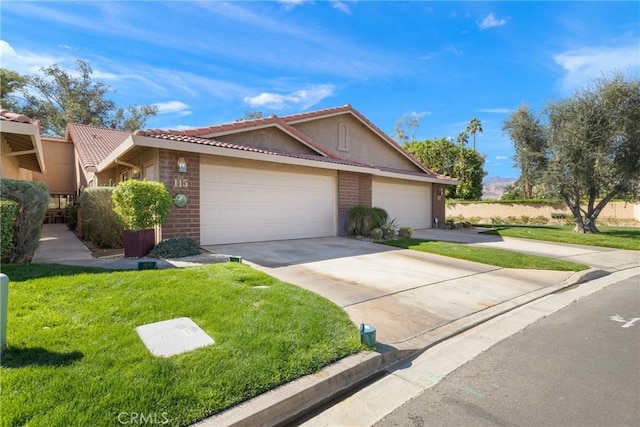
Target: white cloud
496	110
491	21
173	107
341	6
26	62
291	4
300	99
583	65
502	158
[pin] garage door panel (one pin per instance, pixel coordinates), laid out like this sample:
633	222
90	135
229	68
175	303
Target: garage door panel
244	205
409	203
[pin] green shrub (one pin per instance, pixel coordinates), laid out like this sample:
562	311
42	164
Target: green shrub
539	220
99	223
474	219
176	247
8	218
141	205
376	234
363	219
380	216
512	220
33	199
525	219
388	231
405	232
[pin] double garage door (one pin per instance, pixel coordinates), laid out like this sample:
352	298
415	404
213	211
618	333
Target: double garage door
409	202
253	202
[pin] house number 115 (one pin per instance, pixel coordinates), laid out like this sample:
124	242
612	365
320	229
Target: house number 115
180	183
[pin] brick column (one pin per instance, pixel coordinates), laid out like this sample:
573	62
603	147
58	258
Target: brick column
182	222
353	189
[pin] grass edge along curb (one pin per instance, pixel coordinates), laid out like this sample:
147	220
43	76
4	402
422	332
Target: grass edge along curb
491	256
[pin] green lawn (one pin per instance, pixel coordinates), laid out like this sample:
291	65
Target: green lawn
75	359
609	237
491	256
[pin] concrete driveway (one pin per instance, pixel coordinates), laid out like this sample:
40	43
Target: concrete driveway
403	293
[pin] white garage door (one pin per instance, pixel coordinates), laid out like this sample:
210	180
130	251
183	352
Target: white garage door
239	204
409	202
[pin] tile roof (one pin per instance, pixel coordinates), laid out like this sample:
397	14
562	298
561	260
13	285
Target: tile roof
243	125
15	117
176	136
94	144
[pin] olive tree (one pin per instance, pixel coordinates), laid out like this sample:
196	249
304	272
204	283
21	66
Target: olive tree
594	148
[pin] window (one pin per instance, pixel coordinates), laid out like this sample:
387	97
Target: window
61	201
343	137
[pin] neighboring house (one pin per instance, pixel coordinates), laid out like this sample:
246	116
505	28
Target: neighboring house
275	178
20	146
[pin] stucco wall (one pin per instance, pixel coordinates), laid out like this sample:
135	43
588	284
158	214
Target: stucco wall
363	144
268	138
485	211
59	160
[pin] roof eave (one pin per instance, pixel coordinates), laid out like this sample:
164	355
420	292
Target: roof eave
33	132
190	147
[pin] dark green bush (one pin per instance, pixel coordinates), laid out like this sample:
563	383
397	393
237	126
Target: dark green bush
33	199
176	247
8	218
363	219
73	217
99	223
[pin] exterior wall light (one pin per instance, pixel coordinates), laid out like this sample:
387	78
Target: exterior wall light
440	190
182	165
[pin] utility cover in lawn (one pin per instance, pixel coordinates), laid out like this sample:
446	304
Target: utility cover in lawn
175	336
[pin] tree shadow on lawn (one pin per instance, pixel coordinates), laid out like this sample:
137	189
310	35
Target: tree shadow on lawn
23	272
23	357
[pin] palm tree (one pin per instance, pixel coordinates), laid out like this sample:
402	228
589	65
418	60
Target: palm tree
473	127
463	138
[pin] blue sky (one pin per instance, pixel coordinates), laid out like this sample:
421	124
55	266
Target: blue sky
206	63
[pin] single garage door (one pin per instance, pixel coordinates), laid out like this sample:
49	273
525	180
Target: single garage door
409	202
250	204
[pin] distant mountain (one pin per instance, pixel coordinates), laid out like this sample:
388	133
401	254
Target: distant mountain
493	187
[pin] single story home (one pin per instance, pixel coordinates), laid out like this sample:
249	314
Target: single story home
273	178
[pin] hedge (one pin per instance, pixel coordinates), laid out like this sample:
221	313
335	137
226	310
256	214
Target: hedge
33	200
100	224
8	218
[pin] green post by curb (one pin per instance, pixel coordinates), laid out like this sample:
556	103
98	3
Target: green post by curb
4	300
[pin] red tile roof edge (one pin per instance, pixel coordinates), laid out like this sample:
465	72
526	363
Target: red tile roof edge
10	116
221	144
247	124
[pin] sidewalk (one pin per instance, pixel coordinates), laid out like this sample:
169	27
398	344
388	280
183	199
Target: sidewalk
59	245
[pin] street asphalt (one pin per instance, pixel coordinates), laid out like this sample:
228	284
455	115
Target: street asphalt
414	300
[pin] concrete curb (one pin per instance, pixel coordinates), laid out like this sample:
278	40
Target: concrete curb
292	400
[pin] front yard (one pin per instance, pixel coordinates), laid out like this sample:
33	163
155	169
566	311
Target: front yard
609	237
73	356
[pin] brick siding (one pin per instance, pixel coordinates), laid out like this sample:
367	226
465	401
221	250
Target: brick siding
182	222
353	189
